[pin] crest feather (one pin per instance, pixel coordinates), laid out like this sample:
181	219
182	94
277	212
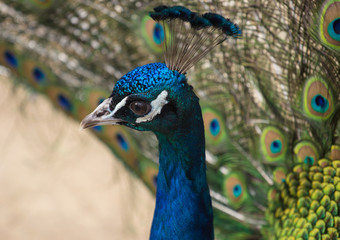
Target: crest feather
192	35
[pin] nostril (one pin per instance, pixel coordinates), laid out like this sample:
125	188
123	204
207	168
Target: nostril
99	114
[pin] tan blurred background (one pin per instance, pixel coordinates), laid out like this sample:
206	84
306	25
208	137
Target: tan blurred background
57	182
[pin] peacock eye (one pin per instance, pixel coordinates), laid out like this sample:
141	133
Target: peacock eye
140	108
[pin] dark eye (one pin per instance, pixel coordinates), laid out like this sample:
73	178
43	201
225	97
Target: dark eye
140	108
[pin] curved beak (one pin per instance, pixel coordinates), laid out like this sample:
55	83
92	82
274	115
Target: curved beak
102	115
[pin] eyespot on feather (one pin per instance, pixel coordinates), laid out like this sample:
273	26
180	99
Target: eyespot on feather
306	152
149	172
318	103
122	144
235	189
154	34
214	126
38	75
273	144
273	195
334	153
9	57
61	97
279	175
330	24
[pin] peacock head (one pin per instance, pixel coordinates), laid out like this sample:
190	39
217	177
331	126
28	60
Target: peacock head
156	96
149	98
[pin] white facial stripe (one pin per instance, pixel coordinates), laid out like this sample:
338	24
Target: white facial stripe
105	102
156	105
117	107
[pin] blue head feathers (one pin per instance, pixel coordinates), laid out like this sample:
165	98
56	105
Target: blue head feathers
146	78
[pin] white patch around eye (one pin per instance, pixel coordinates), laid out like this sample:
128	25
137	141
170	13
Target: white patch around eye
156	107
117	107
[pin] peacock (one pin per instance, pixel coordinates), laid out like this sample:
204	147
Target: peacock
156	97
248	128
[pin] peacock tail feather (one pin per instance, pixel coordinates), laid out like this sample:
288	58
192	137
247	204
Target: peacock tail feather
270	99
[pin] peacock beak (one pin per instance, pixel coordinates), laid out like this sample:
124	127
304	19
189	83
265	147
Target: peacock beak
102	115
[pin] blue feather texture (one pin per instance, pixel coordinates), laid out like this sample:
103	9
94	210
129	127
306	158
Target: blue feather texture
144	78
183	204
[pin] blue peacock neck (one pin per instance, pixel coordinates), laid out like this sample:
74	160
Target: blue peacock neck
183	205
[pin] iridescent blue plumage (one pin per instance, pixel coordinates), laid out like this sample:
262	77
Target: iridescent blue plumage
11	59
183	204
39	75
64	102
144	78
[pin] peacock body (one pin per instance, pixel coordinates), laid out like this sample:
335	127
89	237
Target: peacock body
269	100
